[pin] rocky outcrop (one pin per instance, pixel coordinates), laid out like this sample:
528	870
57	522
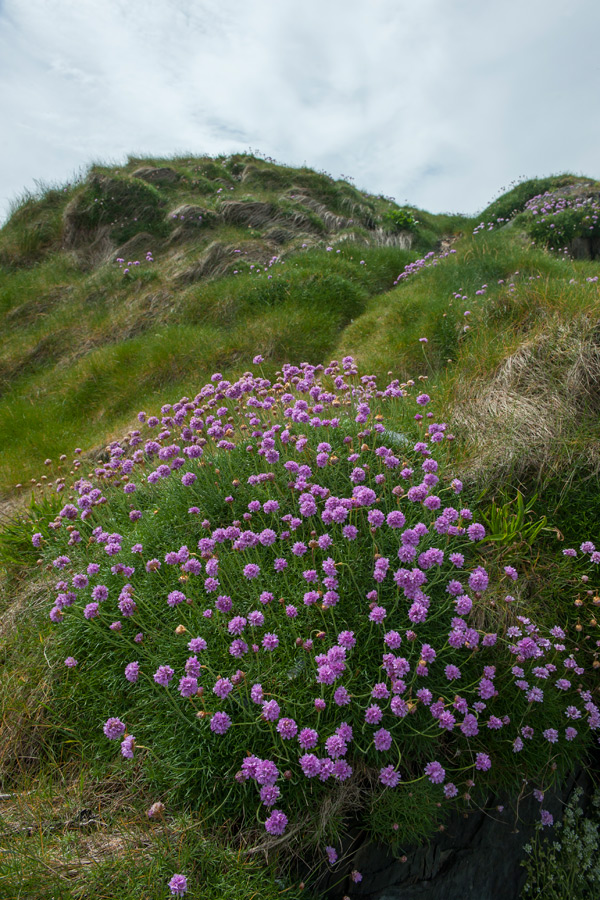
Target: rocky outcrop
584	248
476	857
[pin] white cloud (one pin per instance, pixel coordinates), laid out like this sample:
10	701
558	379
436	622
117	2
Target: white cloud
437	103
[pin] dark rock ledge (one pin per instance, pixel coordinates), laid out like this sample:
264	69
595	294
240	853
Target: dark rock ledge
476	857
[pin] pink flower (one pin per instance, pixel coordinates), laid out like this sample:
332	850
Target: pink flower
483	762
287	728
308	738
270	641
389	777
382	739
435	772
220	723
277	822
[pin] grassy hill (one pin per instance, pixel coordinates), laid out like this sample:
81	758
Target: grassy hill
129	290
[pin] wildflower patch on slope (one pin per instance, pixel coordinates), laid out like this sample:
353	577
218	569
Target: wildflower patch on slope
273	595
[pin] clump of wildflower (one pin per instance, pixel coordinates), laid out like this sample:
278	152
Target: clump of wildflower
303	632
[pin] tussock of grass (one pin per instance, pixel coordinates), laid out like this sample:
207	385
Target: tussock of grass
551	383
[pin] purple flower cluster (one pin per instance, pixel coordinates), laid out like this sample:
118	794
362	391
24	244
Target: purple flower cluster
336	592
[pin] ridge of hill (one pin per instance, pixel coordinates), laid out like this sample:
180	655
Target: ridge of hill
137	280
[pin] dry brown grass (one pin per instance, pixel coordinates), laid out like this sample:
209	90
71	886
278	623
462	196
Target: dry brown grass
531	415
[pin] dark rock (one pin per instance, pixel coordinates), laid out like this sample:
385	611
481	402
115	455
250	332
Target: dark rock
477	857
584	248
580	248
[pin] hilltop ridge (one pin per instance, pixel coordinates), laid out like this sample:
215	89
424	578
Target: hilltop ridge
139	279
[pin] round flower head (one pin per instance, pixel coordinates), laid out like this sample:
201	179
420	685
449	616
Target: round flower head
128	746
277	822
389	777
435	772
220	723
163	675
113	728
132	671
178	885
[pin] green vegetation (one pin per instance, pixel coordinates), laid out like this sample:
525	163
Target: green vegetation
400	220
125	291
566	864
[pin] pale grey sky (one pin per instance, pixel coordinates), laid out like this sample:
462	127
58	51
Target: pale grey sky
436	102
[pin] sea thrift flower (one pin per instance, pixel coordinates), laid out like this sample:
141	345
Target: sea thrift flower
128	746
270	641
178	885
310	765
113	728
435	772
163	675
269	794
220	723
331	855
373	714
132	671
341	696
277	822
287	728
308	738
382	739
483	762
270	710
476	532
389	777
378	614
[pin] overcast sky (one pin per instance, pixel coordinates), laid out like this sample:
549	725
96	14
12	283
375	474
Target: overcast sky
439	103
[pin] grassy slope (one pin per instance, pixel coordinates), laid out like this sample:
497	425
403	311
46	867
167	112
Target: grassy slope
84	347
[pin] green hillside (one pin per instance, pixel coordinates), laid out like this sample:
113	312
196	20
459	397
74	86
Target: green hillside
143	290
